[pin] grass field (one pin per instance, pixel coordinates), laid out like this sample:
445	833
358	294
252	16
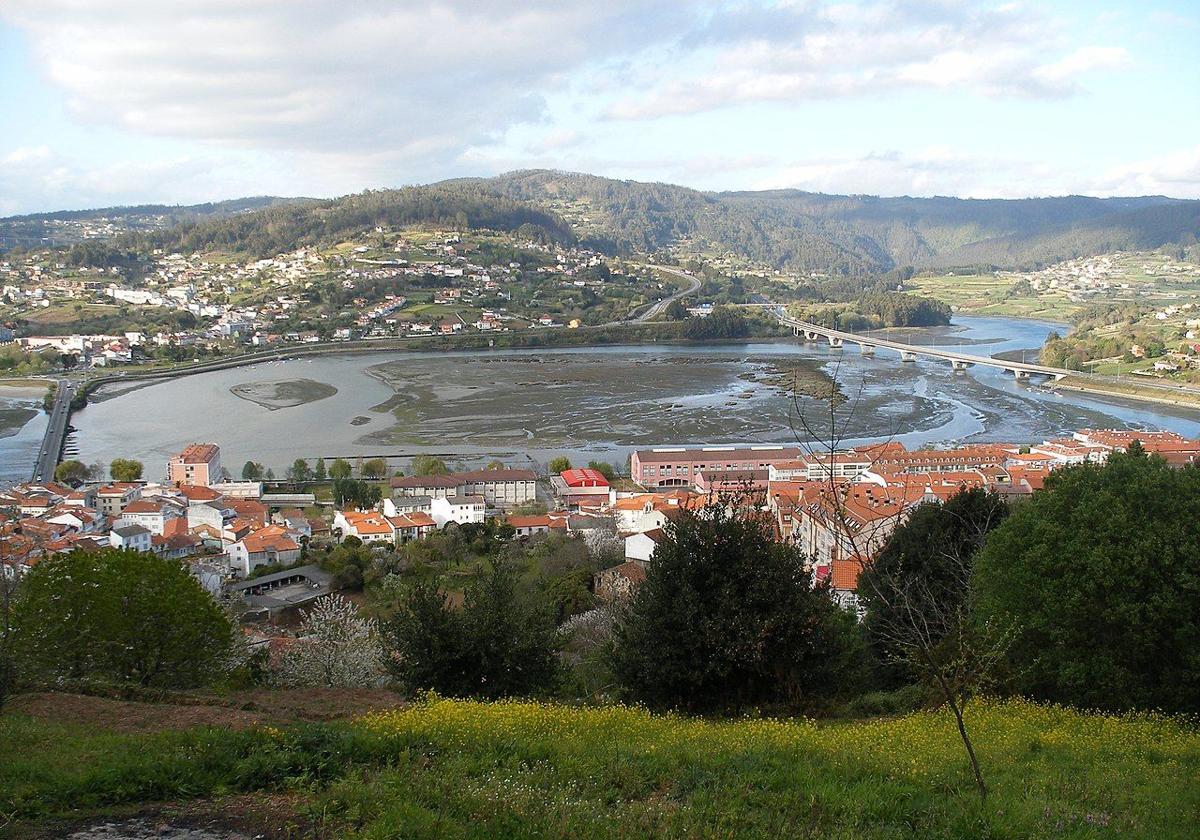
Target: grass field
987	294
444	768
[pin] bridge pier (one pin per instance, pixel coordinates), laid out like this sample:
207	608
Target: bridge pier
1021	375
959	364
811	336
867	349
907	356
834	341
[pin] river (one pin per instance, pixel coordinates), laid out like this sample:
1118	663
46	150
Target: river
524	406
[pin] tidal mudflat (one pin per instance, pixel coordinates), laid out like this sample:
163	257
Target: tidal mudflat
288	393
601	402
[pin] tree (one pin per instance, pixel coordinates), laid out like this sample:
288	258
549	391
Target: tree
252	471
269	475
340	468
319	473
374	468
299	471
119	615
336	648
676	311
125	469
348	492
604	468
1100	571
904	597
8	668
915	592
727	618
498	645
559	464
71	472
428	465
915	589
495	465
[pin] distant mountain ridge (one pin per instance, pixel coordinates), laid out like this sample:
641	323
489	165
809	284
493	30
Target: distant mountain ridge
847	234
787	229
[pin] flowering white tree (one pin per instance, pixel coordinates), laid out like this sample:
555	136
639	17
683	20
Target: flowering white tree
337	648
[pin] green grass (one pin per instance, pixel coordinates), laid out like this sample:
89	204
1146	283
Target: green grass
461	769
987	294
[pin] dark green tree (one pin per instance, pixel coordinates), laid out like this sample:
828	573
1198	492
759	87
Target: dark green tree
348	492
727	619
299	471
118	615
1100	573
604	468
928	558
252	471
498	645
319	473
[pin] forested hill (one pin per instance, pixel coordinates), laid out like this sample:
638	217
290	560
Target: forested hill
787	229
64	227
851	234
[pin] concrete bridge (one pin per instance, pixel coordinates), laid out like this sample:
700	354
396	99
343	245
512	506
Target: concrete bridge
909	352
56	432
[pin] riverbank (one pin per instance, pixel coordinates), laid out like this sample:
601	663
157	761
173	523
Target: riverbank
1130	389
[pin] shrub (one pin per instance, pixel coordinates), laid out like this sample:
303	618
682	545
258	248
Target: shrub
1100	573
497	645
727	618
119	615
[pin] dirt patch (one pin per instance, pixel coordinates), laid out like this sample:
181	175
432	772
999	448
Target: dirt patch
241	817
237	710
104	713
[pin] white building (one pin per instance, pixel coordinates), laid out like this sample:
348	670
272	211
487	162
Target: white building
130	537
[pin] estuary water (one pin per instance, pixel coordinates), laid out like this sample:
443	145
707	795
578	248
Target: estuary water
523	406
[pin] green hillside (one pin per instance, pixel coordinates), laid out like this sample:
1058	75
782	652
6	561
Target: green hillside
788	230
800	231
453	769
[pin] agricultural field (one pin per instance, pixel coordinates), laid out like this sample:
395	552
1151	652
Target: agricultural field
990	294
1059	292
444	768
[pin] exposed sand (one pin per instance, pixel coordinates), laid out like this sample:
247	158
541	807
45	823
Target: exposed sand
286	394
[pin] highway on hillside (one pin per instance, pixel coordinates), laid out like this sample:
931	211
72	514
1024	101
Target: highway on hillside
56	432
658	308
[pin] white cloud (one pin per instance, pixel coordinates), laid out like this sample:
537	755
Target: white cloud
811	51
41	179
1082	60
1176	174
418	80
926	172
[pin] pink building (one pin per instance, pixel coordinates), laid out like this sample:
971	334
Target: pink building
198	463
681	467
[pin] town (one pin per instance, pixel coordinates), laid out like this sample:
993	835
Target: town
405	283
246	540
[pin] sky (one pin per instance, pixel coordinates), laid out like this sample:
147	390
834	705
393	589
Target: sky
144	101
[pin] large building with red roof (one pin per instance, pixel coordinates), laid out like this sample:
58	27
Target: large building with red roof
198	463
